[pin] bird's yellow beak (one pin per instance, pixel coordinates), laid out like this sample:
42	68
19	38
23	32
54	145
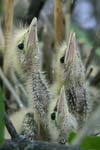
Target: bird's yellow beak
62	109
70	50
32	40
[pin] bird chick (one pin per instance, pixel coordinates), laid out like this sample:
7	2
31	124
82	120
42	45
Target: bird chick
28	66
60	121
70	73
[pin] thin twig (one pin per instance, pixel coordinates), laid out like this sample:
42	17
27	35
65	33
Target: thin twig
34	10
9	86
92	53
96	79
91	56
25	144
19	85
89	73
12	131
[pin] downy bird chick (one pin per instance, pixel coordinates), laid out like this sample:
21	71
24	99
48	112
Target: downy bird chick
70	73
60	121
28	66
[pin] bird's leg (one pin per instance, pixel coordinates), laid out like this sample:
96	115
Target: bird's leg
29	127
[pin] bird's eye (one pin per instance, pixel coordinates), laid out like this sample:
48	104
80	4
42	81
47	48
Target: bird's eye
53	116
62	141
62	59
21	46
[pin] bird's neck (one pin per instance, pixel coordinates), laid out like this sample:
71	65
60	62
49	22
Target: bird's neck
40	96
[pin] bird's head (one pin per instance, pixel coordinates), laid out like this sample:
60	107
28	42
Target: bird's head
26	46
69	65
66	58
61	122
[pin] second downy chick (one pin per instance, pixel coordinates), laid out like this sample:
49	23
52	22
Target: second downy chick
70	73
60	121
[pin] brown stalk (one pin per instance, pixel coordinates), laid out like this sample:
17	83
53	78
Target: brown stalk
8	21
58	21
67	18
